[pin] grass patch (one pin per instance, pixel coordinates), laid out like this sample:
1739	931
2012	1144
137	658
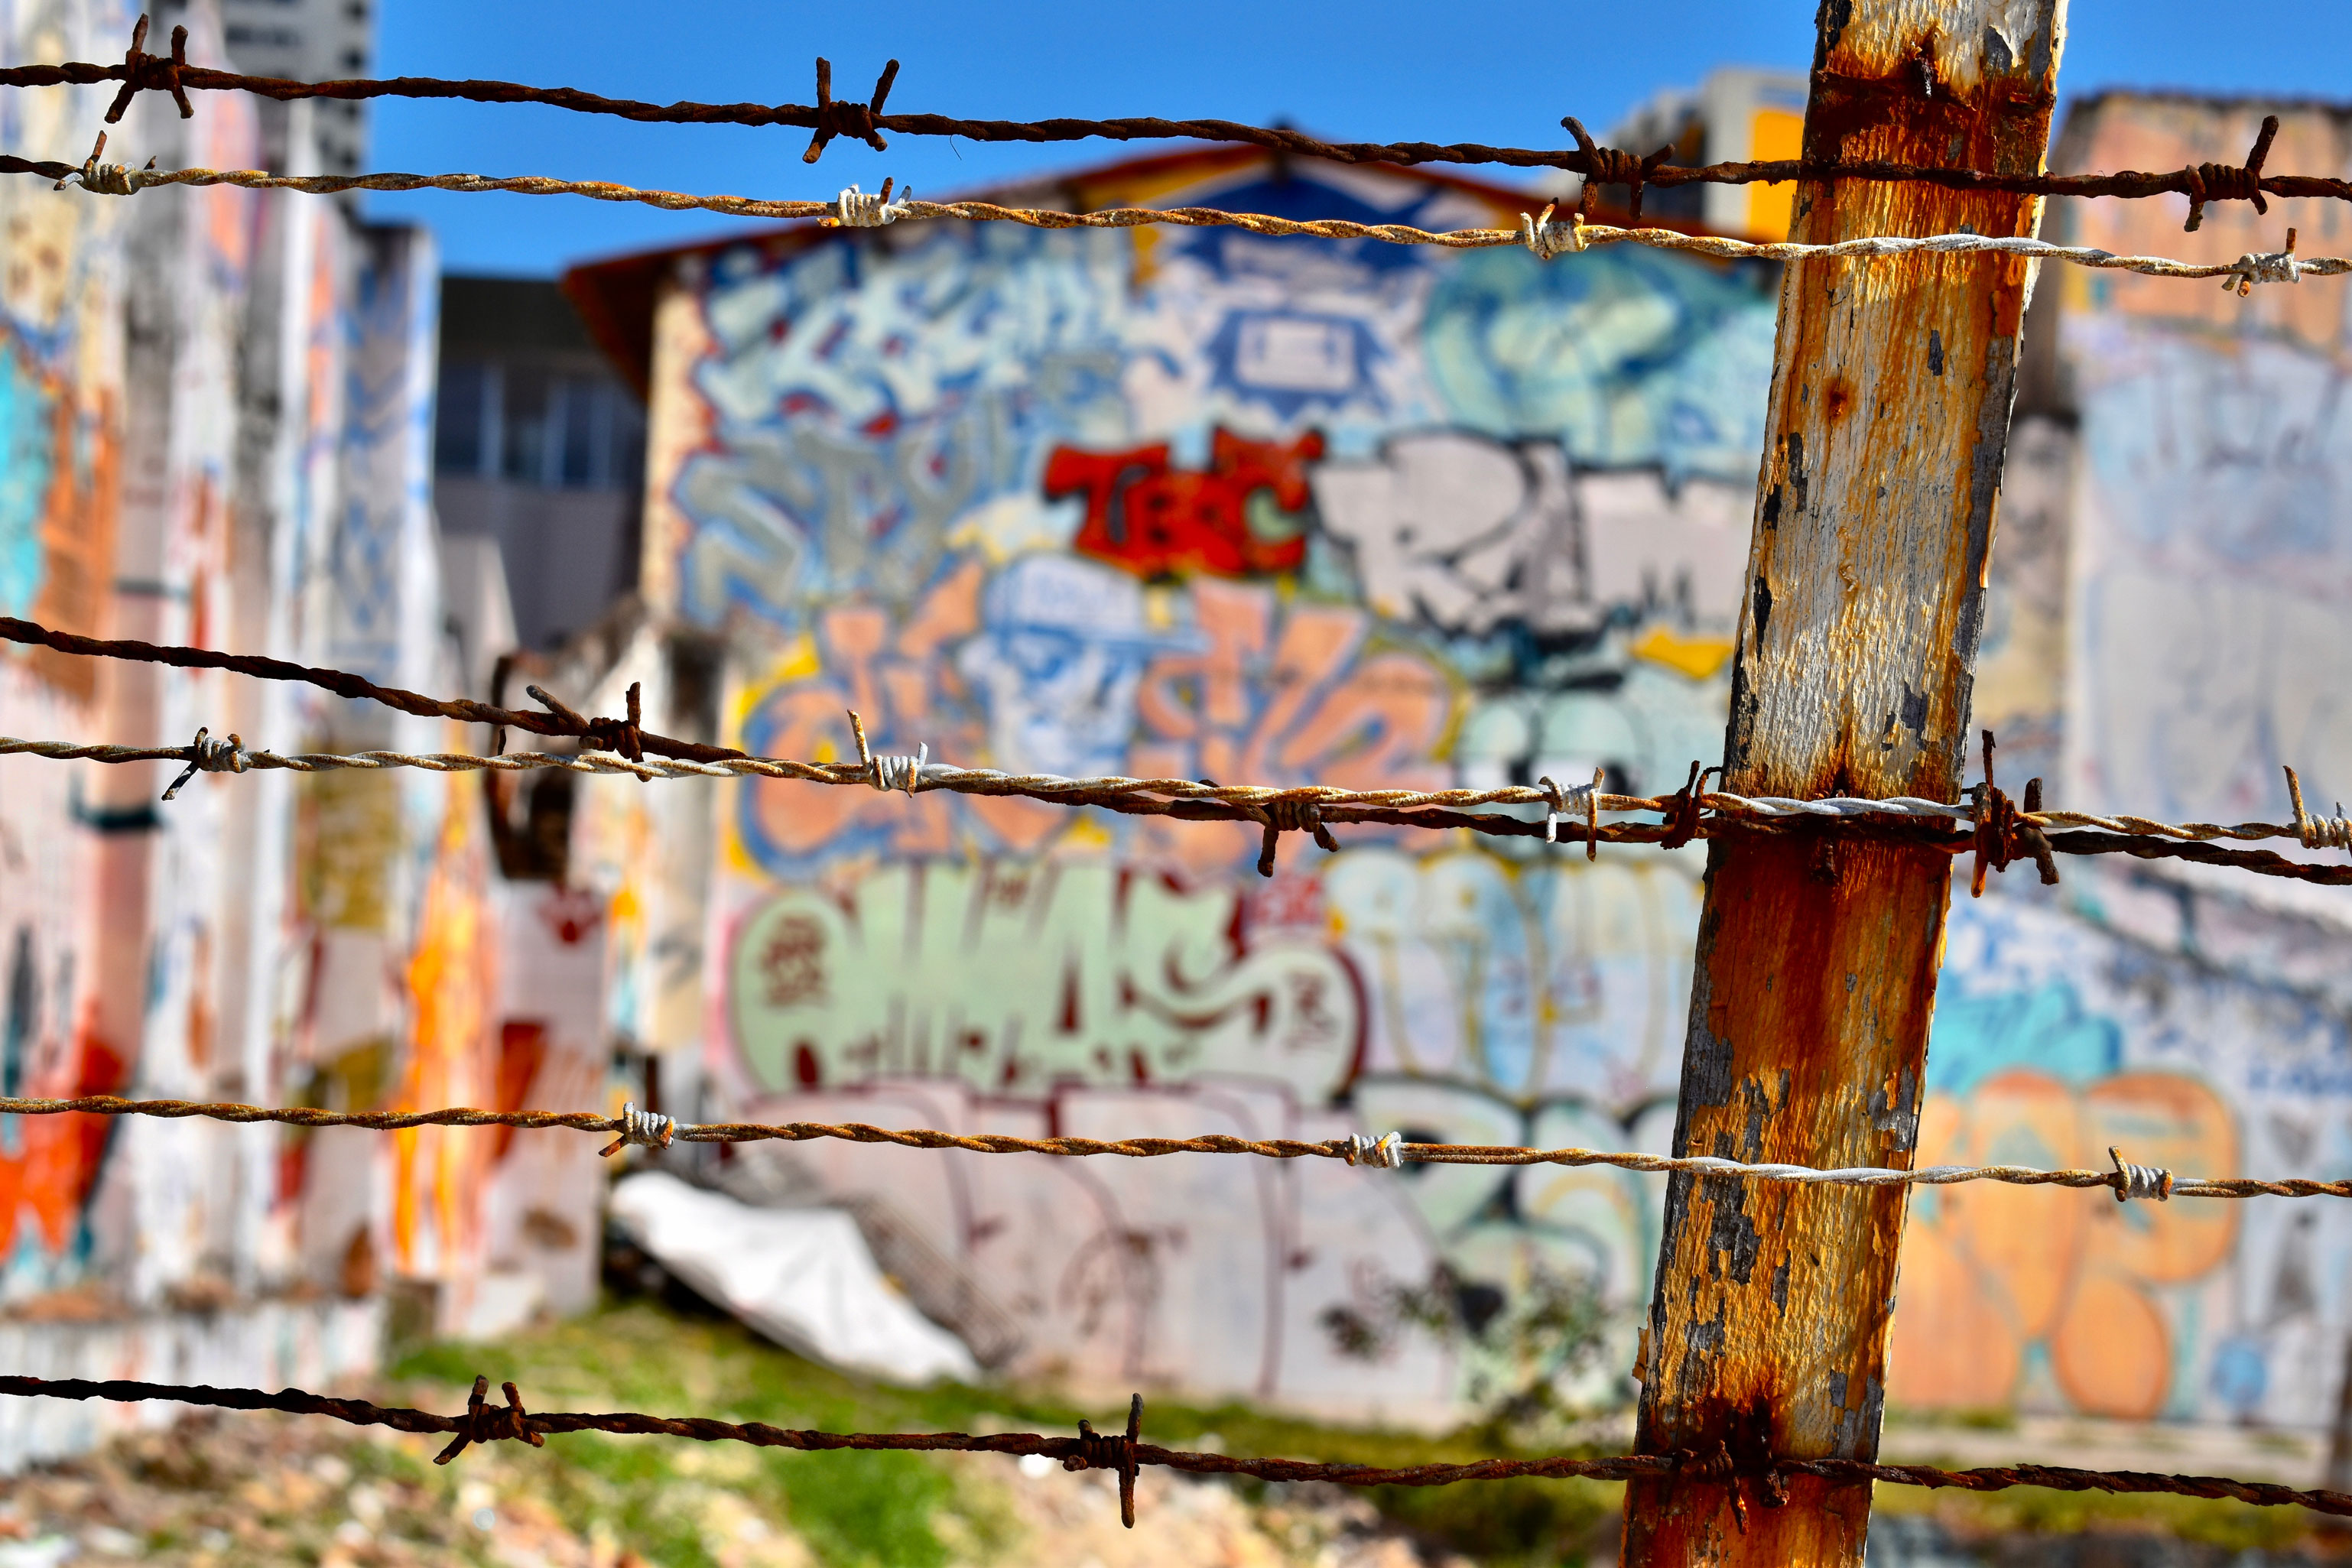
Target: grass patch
659	1496
902	1511
2030	1511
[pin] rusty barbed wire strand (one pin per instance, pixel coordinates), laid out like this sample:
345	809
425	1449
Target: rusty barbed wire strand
1124	1453
1275	809
622	736
1352	1150
867	122
1548	237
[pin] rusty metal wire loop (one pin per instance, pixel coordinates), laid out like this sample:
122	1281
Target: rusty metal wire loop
1388	1150
1608	166
830	117
142	71
2222	182
484	1422
840	118
1125	1455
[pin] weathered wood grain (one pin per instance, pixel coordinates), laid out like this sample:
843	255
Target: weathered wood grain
1816	967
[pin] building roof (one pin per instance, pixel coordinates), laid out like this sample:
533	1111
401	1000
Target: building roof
500	316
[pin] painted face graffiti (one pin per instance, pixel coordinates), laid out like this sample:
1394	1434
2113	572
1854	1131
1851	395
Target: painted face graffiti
1076	668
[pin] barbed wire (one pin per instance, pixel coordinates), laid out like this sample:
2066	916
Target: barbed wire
1049	785
1544	235
829	117
1760	1475
1313	808
624	736
639	1128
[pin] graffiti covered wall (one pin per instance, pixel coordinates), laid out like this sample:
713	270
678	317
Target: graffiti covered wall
2167	598
2057	1036
214	406
1206	506
2216	457
61	412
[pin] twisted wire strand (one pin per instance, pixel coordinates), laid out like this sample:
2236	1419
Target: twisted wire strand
1050	786
1153	1148
1091	1451
342	683
2246	268
830	118
1191	799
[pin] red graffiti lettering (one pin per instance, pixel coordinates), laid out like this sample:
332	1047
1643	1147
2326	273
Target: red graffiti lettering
1159	521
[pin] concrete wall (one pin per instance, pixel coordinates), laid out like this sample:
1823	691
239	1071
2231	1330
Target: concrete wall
216	405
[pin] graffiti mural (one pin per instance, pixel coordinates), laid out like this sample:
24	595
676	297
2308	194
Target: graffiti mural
1197	505
2055	1040
1071	972
1203	505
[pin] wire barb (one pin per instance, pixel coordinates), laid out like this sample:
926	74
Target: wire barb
1100	1451
1290	814
105	179
2317	833
1682	810
206	755
887	773
2002	832
145	72
1549	239
1610	166
2132	1181
2263	267
842	117
1739	1462
1558	803
1385	1152
853	209
487	1423
647	1129
2223	182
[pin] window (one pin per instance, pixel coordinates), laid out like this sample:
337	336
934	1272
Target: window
460	415
529	425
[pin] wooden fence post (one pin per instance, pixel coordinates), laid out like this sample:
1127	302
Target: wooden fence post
1892	381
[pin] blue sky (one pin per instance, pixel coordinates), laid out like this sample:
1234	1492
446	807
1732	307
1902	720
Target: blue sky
1503	72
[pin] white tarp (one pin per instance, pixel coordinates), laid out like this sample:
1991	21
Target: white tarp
803	1277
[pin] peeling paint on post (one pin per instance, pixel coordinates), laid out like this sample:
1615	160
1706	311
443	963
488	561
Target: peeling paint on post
1816	968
